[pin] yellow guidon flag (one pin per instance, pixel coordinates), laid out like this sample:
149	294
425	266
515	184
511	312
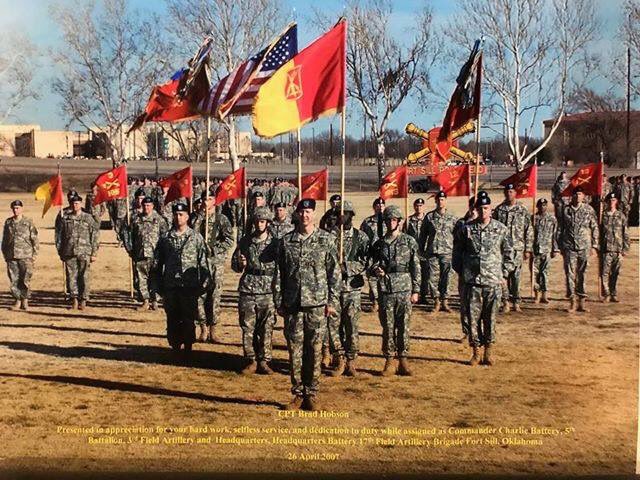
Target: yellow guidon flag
308	86
51	193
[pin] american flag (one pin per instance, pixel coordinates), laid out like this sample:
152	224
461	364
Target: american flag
235	93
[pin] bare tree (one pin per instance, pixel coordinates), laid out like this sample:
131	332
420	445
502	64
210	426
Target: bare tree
239	29
587	100
109	59
384	70
534	54
18	62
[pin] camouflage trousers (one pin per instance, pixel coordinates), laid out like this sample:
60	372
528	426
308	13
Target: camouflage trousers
305	330
541	267
512	289
395	318
78	276
439	273
373	288
575	267
342	328
141	270
464	315
181	307
611	263
257	317
209	302
481	307
20	272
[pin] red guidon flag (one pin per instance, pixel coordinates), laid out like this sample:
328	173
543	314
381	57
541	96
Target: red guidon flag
315	185
454	181
51	193
589	178
395	184
231	187
180	184
111	185
525	182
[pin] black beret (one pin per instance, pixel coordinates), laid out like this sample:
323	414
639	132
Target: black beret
379	201
203	195
141	193
306	203
578	189
16	203
611	195
335	198
179	207
75	198
418	201
147	200
541	201
509	186
257	194
280	205
483	200
71	193
441	194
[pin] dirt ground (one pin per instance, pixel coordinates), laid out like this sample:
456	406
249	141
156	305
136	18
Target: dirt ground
562	397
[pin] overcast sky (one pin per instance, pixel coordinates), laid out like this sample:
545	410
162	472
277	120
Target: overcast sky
31	17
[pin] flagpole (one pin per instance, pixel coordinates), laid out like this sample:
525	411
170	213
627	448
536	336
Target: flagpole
406	198
533	225
299	166
64	271
477	172
343	128
206	206
130	259
600	226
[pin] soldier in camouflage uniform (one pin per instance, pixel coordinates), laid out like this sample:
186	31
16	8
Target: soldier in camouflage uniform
545	247
373	226
483	257
180	274
413	228
256	258
578	240
437	244
517	219
77	241
19	249
614	244
140	239
310	286
396	262
331	217
95	211
624	192
219	242
281	224
556	193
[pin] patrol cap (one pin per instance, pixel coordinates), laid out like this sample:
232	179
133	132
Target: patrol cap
611	195
379	201
541	201
16	203
306	203
75	198
441	194
483	200
509	186
418	201
280	205
262	213
578	189
180	207
392	211
147	200
335	198
347	206
140	193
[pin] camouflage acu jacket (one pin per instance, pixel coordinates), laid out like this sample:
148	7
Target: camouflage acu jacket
413	228
399	259
483	254
614	234
220	238
355	254
280	229
517	219
545	238
19	239
437	233
261	273
76	235
143	235
370	226
309	271
577	228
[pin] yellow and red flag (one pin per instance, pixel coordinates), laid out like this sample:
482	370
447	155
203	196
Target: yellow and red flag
315	185
589	178
525	182
180	184
111	185
395	184
454	181
232	187
308	86
51	192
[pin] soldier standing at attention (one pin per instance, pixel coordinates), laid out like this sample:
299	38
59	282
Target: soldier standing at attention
373	226
256	258
614	244
20	249
517	219
141	239
77	242
578	240
437	244
413	228
545	247
556	193
310	287
219	243
396	264
483	257
181	274
281	224
330	217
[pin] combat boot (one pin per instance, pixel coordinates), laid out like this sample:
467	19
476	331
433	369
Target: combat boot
16	305
144	306
154	305
436	305
212	337
614	299
339	366
536	298
351	370
326	356
543	298
74	304
25	304
82	305
311	404
475	359
516	307
506	307
572	305
202	337
264	368
445	306
403	367
294	404
581	306
389	367
488	359
249	368
605	299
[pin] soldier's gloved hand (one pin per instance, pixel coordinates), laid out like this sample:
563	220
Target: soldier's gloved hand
329	310
414	298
